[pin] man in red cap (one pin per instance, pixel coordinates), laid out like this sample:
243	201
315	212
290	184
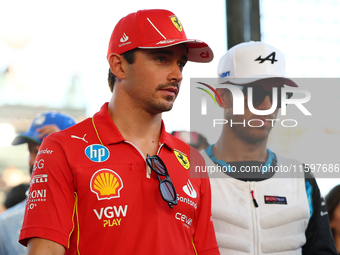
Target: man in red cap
104	193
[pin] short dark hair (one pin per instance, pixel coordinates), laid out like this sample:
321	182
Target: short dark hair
16	195
332	201
130	58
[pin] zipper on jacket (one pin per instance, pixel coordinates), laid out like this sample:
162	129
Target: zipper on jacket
253	206
253	197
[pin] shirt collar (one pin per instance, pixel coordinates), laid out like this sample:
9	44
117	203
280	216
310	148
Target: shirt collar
108	133
166	138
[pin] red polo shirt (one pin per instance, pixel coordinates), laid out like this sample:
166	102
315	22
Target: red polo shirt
93	193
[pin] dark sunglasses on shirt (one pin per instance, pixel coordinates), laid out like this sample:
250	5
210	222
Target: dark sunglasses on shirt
166	187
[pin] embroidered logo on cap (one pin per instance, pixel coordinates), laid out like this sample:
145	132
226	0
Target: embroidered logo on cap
165	41
270	57
204	54
176	23
183	159
124	38
39	120
275	200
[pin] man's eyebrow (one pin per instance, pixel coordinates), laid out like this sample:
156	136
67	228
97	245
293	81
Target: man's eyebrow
167	52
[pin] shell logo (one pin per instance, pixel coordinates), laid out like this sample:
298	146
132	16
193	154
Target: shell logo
106	184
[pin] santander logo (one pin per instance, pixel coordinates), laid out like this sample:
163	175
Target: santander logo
124	38
189	190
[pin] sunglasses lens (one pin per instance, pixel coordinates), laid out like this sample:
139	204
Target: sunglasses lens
258	96
166	187
157	165
168	191
288	95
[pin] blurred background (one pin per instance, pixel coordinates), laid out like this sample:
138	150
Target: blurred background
53	57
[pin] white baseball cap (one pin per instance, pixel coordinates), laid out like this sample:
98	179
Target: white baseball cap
251	61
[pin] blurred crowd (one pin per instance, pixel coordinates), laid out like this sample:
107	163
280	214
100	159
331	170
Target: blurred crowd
13	185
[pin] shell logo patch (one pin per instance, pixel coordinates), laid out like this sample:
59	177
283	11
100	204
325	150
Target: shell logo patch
176	23
106	184
183	159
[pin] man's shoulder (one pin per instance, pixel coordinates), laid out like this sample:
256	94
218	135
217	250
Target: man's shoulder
286	160
78	128
85	124
206	158
189	151
180	145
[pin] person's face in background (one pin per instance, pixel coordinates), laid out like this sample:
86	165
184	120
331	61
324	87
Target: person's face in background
335	221
33	149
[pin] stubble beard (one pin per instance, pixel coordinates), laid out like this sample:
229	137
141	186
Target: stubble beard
250	135
159	106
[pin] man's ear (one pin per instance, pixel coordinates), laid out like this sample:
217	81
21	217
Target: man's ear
224	97
116	65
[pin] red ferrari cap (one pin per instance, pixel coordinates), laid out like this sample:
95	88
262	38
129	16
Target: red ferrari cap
155	28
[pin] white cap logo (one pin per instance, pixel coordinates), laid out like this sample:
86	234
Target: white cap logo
270	57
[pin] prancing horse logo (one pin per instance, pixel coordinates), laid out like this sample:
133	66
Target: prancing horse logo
182	158
176	23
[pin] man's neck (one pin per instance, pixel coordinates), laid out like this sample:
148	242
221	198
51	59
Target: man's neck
231	148
137	126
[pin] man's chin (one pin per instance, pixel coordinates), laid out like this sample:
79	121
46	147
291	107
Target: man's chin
258	135
252	135
156	109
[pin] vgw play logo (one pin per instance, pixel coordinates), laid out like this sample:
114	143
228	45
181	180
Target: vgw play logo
239	103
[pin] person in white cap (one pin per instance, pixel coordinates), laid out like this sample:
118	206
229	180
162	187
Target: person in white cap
261	212
43	125
104	193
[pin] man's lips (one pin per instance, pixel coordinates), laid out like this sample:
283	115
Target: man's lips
170	90
264	120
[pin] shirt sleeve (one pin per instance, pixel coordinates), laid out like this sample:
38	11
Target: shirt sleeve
50	203
204	239
318	233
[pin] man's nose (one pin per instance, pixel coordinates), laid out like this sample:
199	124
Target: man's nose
175	73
